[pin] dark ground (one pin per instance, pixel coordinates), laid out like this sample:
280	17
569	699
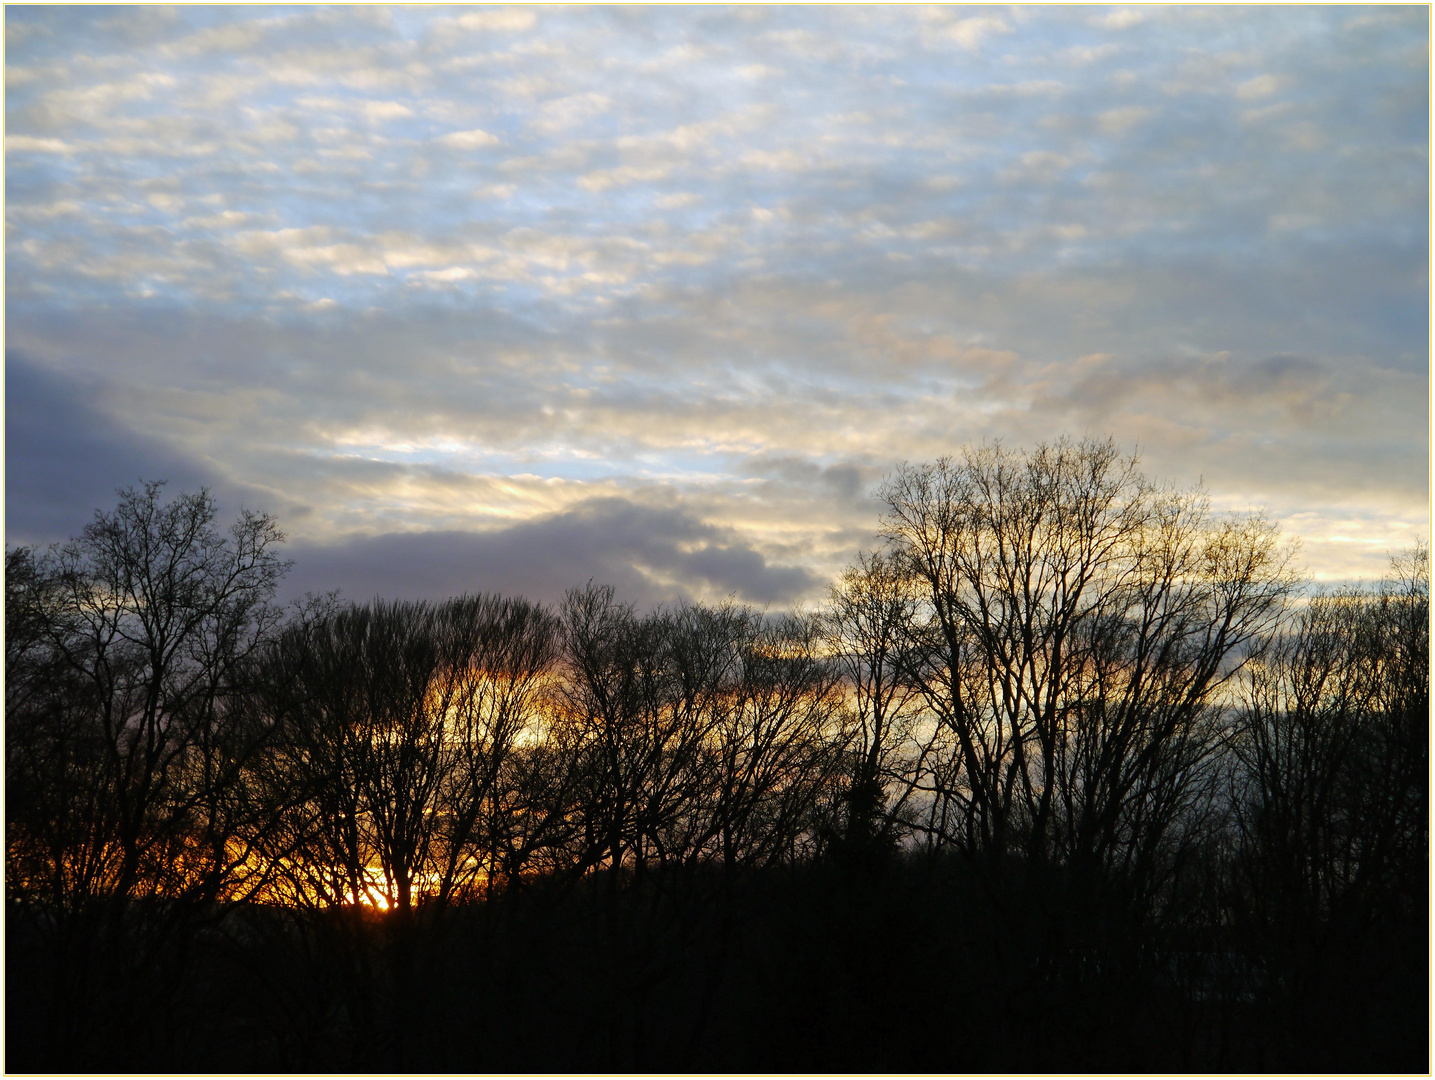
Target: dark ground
894	965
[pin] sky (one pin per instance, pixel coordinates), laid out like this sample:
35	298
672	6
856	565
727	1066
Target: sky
506	298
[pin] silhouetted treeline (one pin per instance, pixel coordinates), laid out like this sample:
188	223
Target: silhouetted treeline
1070	774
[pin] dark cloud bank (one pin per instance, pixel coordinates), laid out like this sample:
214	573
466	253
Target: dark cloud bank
65	458
646	553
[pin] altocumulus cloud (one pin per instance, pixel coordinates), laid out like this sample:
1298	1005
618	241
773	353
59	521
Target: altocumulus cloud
483	287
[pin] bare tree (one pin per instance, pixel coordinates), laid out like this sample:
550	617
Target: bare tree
704	732
872	633
779	748
318	766
127	650
1084	621
1333	740
615	693
149	617
399	721
703	659
1331	882
494	687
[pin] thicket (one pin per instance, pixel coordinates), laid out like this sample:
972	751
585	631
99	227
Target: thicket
1071	773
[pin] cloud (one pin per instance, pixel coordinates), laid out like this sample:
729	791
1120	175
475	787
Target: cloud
649	554
472	139
377	112
502	19
1261	86
65	458
28	144
1119	121
629	174
456	270
970	32
568	112
1121	19
849	480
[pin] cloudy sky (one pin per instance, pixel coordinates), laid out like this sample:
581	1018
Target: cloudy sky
508	298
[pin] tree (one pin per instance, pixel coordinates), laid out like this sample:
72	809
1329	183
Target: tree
127	650
396	724
146	622
872	610
628	747
700	733
1332	801
495	688
1333	740
779	748
1083	622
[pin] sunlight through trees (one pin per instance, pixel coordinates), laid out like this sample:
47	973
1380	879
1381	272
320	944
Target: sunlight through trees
1063	689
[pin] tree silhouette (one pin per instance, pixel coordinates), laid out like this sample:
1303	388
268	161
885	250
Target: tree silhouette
124	754
871	620
149	617
1068	734
1082	618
